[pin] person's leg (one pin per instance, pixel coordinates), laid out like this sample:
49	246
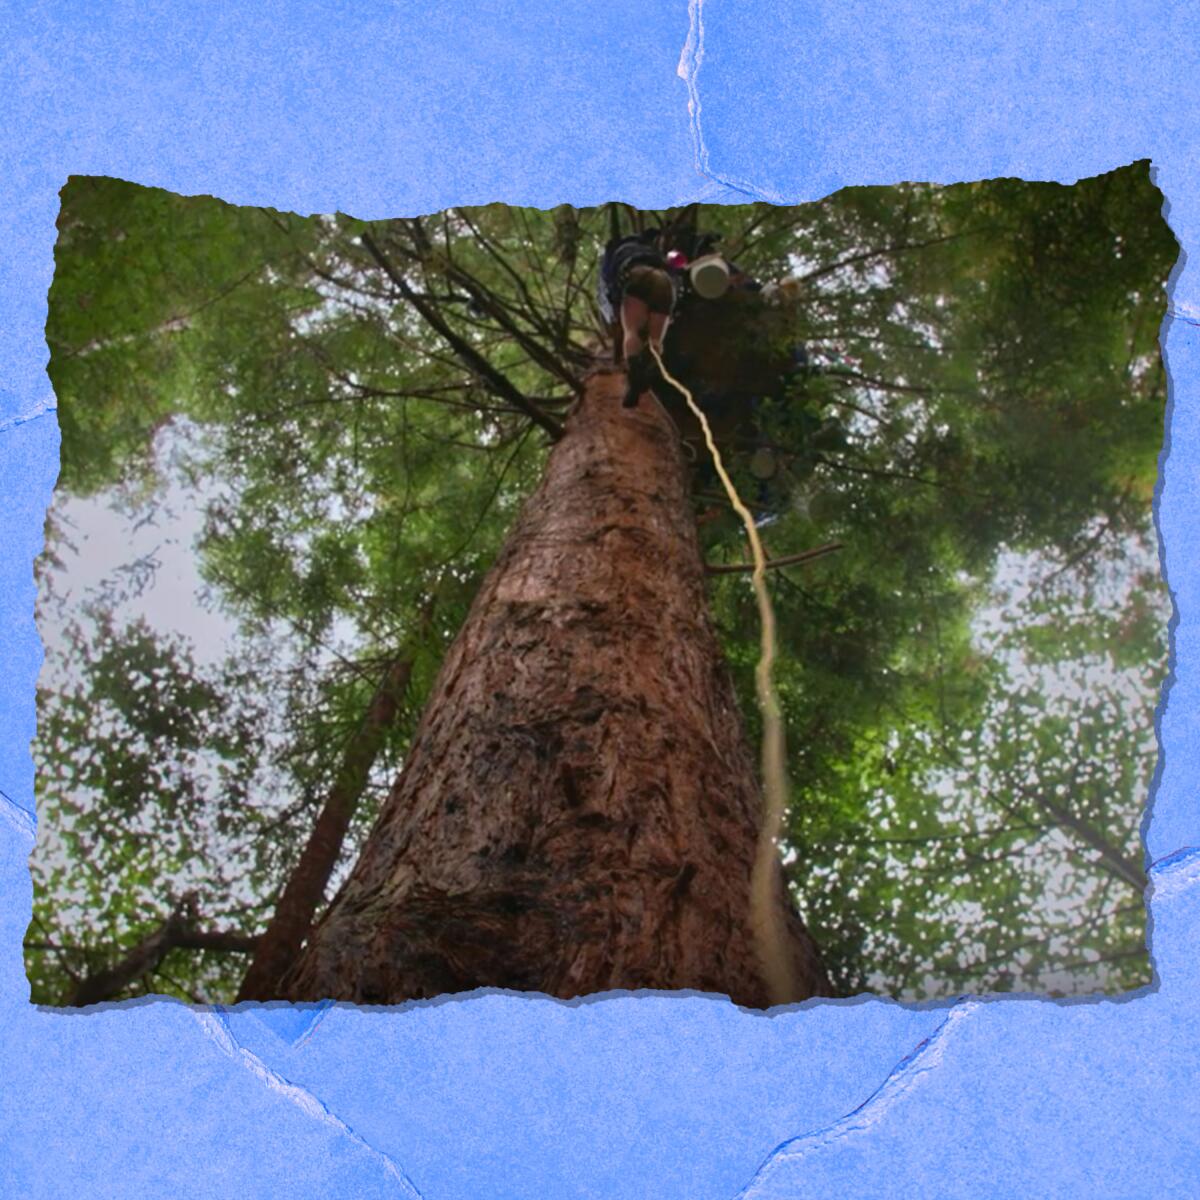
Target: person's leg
658	329
635	320
635	317
645	313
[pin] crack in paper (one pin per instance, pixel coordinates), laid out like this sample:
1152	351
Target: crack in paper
21	819
46	406
911	1069
215	1027
1174	873
691	59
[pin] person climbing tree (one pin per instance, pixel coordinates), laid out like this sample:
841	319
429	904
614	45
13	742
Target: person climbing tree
637	291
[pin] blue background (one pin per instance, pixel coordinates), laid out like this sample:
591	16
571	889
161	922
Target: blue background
381	110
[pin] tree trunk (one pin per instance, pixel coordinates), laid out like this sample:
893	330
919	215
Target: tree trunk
579	808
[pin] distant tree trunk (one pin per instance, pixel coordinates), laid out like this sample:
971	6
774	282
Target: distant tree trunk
305	888
579	808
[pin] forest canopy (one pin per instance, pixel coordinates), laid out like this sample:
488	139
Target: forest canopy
292	448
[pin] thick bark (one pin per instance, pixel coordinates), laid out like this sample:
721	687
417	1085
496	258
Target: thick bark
305	888
579	807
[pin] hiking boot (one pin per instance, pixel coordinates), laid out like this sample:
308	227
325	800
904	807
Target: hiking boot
639	378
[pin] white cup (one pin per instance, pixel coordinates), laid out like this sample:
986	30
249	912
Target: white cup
710	277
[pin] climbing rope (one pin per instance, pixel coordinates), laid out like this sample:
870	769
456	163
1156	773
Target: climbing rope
766	914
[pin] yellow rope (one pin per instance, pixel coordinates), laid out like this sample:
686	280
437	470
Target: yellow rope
766	913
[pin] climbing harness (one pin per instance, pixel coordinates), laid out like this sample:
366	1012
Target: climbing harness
621	257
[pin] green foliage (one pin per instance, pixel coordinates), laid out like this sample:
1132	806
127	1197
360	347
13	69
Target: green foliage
968	683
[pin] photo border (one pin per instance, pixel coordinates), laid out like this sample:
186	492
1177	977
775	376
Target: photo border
386	110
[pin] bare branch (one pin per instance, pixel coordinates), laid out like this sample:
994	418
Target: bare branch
177	932
1118	863
471	357
789	560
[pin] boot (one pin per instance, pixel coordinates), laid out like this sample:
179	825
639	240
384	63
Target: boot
639	377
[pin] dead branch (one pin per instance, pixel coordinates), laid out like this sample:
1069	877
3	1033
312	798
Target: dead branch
789	560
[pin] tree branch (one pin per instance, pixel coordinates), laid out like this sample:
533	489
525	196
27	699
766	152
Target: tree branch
1119	864
305	888
489	303
530	307
177	932
878	252
496	307
471	358
789	560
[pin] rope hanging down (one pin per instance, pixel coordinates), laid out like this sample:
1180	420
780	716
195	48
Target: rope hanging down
766	914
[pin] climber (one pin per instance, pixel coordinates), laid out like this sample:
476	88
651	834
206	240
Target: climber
637	289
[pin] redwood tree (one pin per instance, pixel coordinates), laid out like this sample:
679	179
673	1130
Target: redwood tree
579	808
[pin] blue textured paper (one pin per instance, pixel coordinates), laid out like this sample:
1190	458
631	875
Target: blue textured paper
380	110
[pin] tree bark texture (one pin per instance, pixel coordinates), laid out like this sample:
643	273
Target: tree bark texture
579	808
